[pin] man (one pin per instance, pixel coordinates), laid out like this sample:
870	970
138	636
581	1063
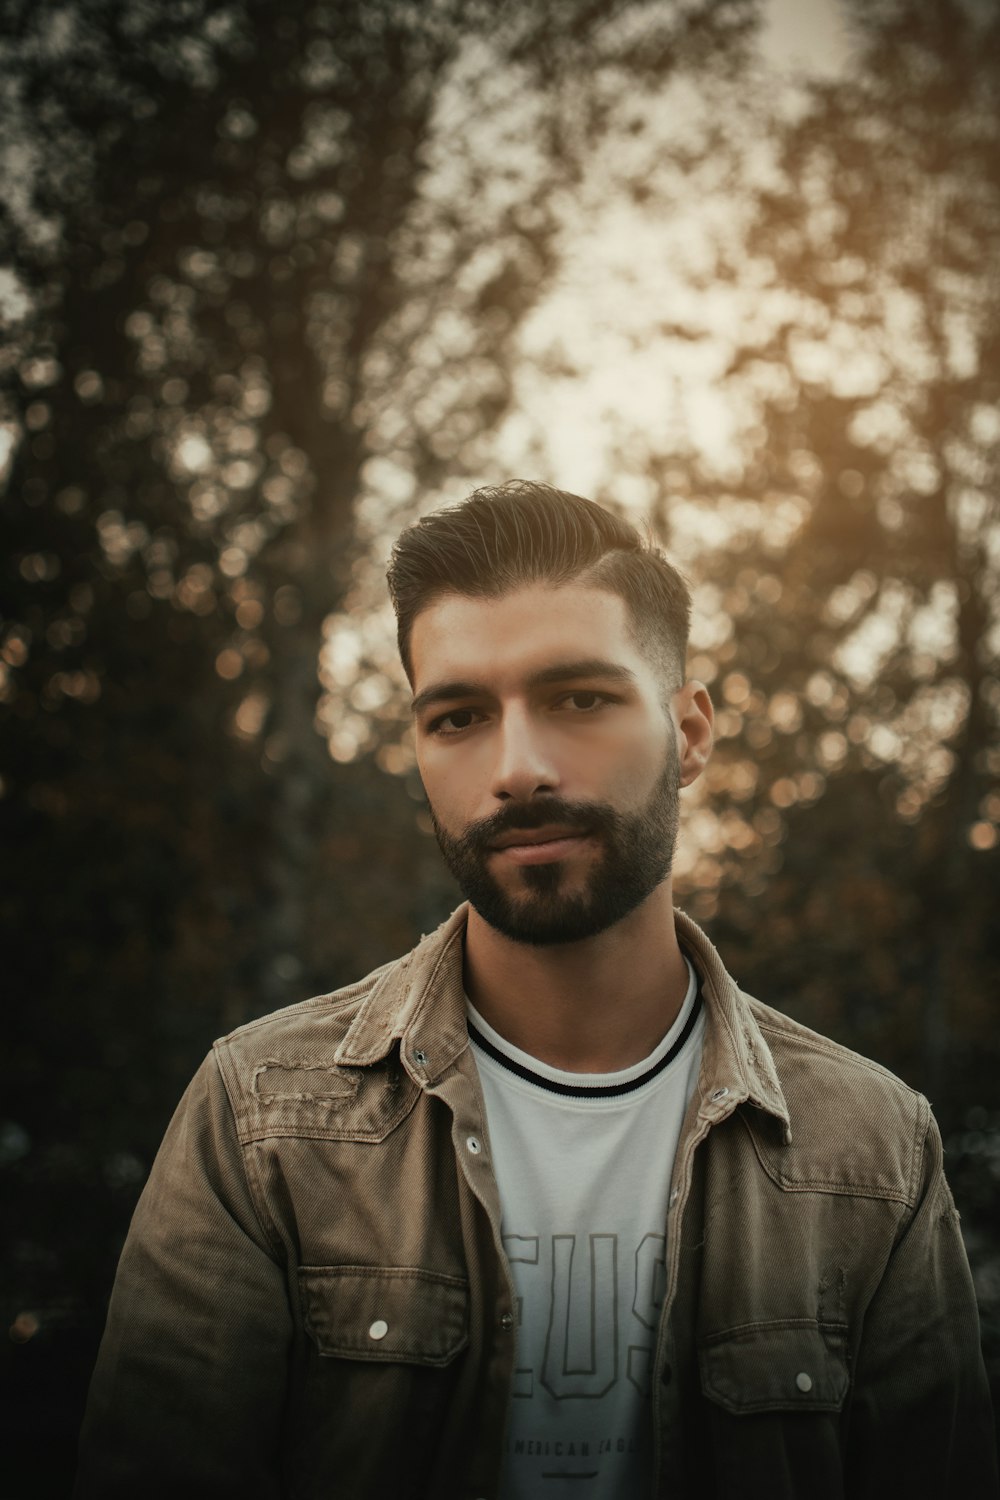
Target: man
547	1207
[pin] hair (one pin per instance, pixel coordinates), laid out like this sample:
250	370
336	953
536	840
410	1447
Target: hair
506	536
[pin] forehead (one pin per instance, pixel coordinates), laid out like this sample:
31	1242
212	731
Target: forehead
520	632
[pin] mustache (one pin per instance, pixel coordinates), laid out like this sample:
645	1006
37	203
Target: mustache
522	817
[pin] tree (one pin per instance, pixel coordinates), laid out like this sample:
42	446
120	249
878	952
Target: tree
265	270
866	645
857	843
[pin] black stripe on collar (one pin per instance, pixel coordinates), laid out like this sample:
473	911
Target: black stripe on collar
589	1091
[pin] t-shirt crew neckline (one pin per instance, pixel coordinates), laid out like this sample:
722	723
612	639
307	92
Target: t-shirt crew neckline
623	1084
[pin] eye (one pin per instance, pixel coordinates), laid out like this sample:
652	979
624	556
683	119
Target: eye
586	700
455	722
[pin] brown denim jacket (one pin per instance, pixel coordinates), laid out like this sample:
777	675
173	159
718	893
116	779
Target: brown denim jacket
328	1173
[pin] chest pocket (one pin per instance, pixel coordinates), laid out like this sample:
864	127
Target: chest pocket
776	1367
389	1315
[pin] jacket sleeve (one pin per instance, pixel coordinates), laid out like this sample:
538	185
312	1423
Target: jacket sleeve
920	1422
189	1386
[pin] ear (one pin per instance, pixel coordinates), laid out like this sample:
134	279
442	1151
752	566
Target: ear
694	718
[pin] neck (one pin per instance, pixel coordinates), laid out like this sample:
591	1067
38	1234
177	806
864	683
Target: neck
591	1007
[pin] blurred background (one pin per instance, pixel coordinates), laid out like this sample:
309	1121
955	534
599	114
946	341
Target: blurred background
275	279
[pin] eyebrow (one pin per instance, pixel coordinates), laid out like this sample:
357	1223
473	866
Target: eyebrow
564	671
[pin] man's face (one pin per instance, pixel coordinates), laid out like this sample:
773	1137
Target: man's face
548	758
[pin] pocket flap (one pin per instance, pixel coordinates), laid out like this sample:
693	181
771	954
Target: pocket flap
399	1314
792	1366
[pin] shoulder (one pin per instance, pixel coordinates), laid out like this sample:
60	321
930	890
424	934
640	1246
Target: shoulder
291	1075
290	1055
332	1066
320	1021
826	1063
856	1127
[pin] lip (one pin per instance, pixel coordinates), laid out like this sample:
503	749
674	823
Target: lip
537	846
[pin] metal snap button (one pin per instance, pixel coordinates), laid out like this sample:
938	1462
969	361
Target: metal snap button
420	1058
379	1329
473	1145
507	1322
803	1381
720	1094
674	1195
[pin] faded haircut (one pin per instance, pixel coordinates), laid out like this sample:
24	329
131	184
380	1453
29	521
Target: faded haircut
506	536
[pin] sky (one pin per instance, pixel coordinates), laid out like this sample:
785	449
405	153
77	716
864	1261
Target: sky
627	274
806	34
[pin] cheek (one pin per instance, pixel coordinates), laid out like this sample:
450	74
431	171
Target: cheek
626	758
637	770
445	788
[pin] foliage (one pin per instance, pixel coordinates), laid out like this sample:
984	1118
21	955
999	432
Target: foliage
861	672
857	784
275	279
264	268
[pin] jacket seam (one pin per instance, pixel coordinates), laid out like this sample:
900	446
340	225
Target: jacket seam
334	1002
387	1273
763	1325
922	1136
813	1043
921	1132
265	1221
832	1185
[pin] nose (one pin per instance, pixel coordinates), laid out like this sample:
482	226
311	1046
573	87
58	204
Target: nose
524	765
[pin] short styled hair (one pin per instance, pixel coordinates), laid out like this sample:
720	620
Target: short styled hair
506	536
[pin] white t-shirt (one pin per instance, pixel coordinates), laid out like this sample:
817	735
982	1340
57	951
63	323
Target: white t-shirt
583	1163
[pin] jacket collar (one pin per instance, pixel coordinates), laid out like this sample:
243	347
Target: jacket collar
737	1065
419	1002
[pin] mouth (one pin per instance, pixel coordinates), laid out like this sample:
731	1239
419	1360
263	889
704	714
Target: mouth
536	846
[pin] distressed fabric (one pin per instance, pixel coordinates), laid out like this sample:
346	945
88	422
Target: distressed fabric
313	1300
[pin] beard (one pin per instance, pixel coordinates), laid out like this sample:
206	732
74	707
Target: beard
636	854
